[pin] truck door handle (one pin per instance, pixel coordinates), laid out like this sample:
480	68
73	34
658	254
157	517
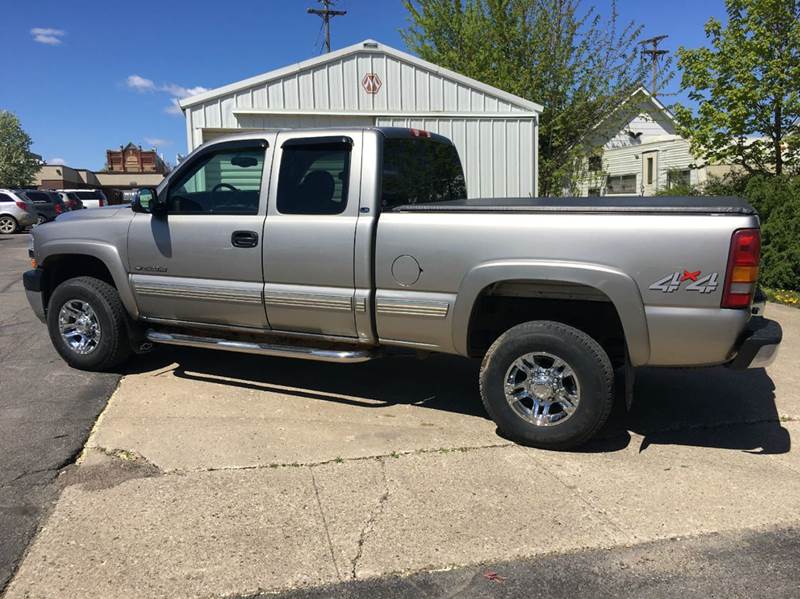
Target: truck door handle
244	239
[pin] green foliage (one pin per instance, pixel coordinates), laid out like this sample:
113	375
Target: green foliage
576	63
747	87
777	200
17	165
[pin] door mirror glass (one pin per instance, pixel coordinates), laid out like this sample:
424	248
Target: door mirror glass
145	200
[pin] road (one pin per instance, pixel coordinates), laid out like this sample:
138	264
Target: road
46	411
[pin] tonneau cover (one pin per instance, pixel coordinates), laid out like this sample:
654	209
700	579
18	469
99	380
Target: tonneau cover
605	204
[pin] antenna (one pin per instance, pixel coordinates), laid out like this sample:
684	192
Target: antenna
327	14
654	54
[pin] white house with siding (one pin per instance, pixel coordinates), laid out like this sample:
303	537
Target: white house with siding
636	150
371	84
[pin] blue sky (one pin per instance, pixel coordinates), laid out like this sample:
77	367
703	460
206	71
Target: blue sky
87	75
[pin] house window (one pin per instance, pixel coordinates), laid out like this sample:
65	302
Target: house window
679	178
650	170
621	184
595	163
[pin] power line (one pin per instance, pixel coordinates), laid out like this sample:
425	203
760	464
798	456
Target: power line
327	14
655	55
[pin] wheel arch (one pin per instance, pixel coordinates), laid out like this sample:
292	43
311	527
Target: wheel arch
65	259
619	289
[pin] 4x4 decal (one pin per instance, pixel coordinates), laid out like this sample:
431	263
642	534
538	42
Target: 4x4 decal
673	281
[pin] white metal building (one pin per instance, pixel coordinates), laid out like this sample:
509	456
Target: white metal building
370	84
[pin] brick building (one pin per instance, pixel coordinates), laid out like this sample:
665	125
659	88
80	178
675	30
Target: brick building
133	159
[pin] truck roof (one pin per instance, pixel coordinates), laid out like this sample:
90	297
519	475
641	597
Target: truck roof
387	132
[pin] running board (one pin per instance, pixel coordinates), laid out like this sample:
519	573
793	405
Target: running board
348	356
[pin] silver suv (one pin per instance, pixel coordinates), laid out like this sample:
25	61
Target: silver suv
16	213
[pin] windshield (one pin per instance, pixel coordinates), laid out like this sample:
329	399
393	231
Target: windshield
89	195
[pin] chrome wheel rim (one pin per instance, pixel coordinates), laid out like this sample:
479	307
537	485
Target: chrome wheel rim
39	220
7	225
79	326
542	389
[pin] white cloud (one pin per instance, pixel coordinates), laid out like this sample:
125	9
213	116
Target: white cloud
48	35
55	161
157	141
140	84
175	91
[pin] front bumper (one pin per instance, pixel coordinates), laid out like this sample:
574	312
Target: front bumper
32	281
758	345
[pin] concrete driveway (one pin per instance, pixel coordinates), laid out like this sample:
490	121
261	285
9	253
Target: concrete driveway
213	475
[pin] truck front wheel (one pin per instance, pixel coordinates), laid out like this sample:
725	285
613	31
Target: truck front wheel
86	322
547	384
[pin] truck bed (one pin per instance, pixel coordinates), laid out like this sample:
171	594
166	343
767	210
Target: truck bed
633	204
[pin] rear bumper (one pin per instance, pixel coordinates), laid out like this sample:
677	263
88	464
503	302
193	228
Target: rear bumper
27	219
758	345
32	281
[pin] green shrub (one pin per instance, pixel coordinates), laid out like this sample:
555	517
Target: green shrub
777	200
780	242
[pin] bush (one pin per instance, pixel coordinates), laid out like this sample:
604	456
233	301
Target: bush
777	200
780	237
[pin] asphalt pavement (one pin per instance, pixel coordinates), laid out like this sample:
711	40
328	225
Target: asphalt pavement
47	411
745	565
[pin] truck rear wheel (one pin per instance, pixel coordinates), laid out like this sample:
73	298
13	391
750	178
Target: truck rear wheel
86	322
547	384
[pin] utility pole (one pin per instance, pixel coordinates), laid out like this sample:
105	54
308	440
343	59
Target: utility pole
327	14
654	55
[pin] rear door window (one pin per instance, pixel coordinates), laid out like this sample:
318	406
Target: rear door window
314	177
4	197
420	170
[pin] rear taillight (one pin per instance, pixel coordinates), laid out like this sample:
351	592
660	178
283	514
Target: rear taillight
102	202
742	273
59	209
22	205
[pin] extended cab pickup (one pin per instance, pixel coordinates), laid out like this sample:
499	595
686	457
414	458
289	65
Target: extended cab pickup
347	244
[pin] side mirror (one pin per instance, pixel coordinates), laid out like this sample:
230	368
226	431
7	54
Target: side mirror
146	200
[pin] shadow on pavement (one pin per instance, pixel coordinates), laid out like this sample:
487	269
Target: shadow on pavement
704	407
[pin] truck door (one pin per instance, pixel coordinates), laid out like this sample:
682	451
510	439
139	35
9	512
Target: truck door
201	262
310	234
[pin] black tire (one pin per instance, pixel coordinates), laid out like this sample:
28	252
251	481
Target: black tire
113	347
10	220
585	357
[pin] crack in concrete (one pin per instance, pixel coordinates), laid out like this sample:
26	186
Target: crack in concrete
325	524
369	525
577	492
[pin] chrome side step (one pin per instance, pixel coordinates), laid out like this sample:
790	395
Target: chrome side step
350	356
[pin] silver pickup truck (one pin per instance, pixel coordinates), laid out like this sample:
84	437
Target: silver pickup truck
348	244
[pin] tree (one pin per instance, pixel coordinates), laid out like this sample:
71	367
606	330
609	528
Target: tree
17	165
574	62
747	86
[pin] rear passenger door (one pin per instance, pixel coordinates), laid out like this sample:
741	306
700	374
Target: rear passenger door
310	233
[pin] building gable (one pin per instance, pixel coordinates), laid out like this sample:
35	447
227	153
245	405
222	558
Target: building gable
639	120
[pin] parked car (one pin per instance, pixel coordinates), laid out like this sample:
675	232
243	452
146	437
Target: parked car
48	205
343	245
16	213
72	202
91	198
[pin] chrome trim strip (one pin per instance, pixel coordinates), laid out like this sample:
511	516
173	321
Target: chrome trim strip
309	300
360	304
430	308
265	349
197	292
